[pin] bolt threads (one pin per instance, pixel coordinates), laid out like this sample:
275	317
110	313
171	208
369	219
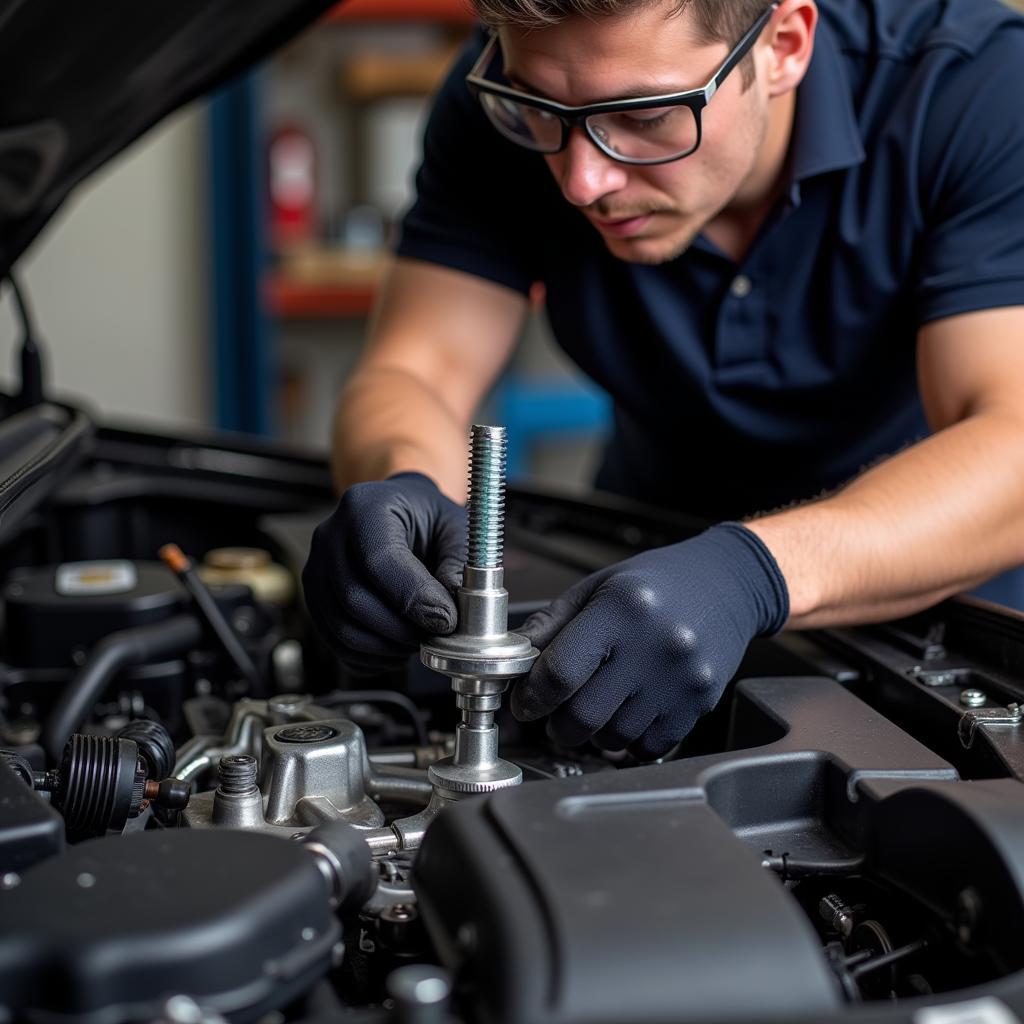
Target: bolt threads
836	913
487	456
238	774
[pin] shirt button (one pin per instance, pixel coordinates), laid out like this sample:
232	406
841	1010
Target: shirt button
741	286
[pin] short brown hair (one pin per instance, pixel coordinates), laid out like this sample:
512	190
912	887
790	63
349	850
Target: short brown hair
716	20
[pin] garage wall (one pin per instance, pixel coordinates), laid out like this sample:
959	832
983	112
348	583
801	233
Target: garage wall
119	284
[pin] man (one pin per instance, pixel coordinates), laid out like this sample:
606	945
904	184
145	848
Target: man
789	239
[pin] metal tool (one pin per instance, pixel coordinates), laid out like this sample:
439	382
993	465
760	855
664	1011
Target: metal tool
481	657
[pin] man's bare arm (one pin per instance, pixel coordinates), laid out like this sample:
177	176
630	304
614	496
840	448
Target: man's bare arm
936	519
438	340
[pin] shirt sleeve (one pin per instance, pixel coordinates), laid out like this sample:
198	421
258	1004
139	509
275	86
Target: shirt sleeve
972	183
469	213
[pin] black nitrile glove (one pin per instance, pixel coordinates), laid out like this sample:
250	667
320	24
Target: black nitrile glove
380	569
634	654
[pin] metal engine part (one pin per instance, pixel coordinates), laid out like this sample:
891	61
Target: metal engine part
287	778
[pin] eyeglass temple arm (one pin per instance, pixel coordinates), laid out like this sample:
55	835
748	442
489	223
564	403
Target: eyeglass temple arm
742	49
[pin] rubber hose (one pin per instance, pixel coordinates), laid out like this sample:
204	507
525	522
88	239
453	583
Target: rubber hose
354	875
155	745
110	656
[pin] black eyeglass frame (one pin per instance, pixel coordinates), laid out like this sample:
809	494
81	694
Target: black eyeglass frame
570	117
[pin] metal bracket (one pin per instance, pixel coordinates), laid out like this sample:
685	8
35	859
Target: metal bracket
970	720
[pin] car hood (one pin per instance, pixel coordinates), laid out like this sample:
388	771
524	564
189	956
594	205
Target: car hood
79	82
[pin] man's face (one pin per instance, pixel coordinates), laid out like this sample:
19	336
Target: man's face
644	214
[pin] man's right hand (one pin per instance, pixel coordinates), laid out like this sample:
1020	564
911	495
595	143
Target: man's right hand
381	568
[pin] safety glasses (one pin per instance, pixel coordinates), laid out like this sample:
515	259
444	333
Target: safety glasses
641	130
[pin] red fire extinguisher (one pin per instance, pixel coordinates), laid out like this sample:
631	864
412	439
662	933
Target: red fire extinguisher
292	185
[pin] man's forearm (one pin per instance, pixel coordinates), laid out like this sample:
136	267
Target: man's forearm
934	520
389	421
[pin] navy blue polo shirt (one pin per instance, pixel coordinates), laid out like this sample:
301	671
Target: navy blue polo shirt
739	388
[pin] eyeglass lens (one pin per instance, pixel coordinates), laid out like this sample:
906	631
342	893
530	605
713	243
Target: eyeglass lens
647	133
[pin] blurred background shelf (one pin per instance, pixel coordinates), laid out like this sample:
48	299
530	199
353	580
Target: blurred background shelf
301	300
323	283
312	163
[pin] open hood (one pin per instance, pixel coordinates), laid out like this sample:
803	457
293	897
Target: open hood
80	81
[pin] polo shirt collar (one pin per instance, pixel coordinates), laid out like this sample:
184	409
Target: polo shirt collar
825	133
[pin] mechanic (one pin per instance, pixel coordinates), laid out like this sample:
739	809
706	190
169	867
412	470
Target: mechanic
789	240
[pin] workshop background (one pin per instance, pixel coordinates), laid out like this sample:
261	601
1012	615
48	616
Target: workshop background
220	272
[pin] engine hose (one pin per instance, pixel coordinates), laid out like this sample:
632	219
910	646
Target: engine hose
155	745
380	697
344	860
110	656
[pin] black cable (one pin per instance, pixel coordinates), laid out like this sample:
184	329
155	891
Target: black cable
74	434
184	568
380	697
886	959
31	392
27	323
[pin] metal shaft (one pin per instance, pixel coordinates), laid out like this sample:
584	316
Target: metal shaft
488	456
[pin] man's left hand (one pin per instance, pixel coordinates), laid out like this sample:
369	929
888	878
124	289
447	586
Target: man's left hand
634	654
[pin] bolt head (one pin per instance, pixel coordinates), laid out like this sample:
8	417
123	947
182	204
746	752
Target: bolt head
973	698
309	733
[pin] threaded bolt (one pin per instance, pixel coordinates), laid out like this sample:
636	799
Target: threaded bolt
487	457
837	914
238	775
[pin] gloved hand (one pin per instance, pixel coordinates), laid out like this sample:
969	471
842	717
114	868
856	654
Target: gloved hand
380	569
634	654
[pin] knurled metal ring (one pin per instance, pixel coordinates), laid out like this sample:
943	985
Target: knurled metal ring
512	776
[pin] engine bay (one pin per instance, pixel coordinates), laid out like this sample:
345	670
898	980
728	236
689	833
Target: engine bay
205	817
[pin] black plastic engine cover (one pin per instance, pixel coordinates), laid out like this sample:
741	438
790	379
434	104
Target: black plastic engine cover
45	628
30	829
111	928
658	894
627	921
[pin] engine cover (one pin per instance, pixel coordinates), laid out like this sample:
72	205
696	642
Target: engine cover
113	927
661	894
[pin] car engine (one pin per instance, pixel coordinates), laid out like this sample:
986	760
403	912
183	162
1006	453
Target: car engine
204	817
